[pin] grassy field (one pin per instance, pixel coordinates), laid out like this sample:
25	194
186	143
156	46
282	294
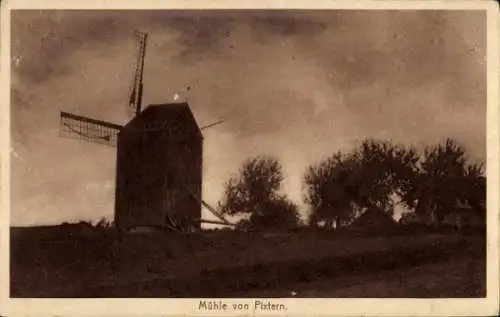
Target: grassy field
456	277
228	264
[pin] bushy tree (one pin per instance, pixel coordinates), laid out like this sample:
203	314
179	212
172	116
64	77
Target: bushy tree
447	177
256	192
276	213
385	169
332	187
475	186
366	177
370	175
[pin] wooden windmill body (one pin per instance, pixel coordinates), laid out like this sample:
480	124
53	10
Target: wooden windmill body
159	160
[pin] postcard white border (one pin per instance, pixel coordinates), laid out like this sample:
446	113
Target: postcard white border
296	307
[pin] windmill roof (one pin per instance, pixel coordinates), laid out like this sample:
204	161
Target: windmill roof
159	116
163	111
166	109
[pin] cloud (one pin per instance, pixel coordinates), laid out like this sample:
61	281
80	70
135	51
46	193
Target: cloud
298	85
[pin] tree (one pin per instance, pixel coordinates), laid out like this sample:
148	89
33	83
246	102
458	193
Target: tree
445	178
366	177
475	186
276	213
385	169
331	190
255	192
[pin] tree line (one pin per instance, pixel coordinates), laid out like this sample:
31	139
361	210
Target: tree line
373	175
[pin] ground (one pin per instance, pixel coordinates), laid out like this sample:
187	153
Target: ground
450	278
228	264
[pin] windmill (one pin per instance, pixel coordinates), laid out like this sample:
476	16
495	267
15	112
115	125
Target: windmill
159	159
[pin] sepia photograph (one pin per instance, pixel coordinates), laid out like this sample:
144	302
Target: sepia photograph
251	154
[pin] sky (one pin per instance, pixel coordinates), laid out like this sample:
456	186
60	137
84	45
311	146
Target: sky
296	85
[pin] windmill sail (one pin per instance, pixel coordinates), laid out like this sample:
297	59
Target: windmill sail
92	130
131	101
135	98
212	124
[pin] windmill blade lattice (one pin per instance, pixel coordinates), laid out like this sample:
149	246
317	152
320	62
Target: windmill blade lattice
87	129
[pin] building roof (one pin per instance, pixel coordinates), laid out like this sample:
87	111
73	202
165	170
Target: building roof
463	204
161	116
374	218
